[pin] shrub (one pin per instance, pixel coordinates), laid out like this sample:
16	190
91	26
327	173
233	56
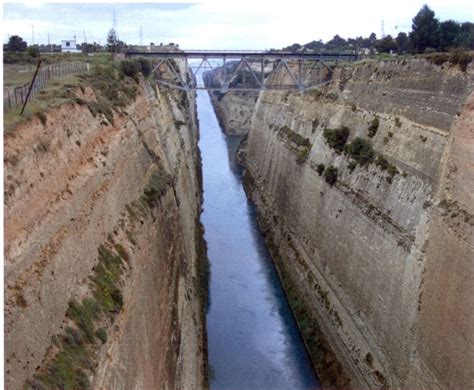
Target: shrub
320	169
337	138
42	117
130	68
330	175
303	155
352	165
374	125
145	66
360	150
398	123
156	187
102	335
294	137
382	162
462	58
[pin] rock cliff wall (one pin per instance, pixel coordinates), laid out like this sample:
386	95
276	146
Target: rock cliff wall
364	191
233	109
104	258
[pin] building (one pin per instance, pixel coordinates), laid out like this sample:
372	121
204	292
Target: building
69	46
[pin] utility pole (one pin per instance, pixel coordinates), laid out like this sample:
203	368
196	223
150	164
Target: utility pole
383	29
141	36
33	34
49	44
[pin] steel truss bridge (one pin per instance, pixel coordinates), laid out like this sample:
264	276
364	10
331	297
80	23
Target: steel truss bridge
242	70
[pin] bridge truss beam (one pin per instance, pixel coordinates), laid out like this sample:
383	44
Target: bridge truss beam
247	71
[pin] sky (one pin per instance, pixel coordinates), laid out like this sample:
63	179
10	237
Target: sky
221	24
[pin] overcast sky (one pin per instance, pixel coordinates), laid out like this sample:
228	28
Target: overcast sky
237	24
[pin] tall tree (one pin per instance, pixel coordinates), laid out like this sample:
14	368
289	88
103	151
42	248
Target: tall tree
16	43
449	31
386	44
425	30
402	42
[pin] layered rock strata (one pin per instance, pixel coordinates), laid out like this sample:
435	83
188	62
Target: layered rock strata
364	191
104	258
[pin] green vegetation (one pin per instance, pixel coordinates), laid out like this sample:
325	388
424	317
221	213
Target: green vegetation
360	150
302	155
76	347
106	277
374	125
157	185
303	144
337	138
320	169
42	117
294	137
352	165
398	123
384	165
330	175
102	335
457	57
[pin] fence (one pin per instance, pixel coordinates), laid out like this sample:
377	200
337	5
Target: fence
17	96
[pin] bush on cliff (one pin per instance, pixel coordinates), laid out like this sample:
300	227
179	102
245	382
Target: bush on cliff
130	68
360	150
330	175
374	126
337	138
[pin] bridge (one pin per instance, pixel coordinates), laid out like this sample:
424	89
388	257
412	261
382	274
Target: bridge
243	70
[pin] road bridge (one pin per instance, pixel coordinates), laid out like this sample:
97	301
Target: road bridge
243	70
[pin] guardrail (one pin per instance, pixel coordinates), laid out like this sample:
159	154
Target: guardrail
17	96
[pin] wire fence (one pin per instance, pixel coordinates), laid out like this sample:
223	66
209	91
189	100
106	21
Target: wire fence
16	96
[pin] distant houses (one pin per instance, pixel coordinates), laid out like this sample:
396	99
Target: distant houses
69	46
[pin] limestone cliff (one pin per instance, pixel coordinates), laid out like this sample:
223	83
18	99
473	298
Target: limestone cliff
364	191
233	109
104	255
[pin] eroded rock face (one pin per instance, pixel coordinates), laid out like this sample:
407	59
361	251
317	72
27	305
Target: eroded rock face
77	183
233	109
374	253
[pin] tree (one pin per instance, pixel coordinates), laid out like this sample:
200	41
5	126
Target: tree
465	38
16	43
112	41
449	31
402	42
425	30
386	45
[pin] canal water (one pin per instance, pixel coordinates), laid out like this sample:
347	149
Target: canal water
253	340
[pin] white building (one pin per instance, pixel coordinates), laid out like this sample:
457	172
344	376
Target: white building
69	46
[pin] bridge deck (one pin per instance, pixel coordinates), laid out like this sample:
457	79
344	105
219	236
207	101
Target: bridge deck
243	53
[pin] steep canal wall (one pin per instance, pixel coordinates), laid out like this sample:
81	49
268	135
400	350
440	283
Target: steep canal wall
103	245
364	192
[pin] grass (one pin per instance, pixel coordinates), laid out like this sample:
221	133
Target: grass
111	87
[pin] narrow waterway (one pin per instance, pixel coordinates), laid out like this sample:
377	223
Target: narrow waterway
254	342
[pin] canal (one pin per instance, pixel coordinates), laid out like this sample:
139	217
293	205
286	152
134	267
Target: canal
254	342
